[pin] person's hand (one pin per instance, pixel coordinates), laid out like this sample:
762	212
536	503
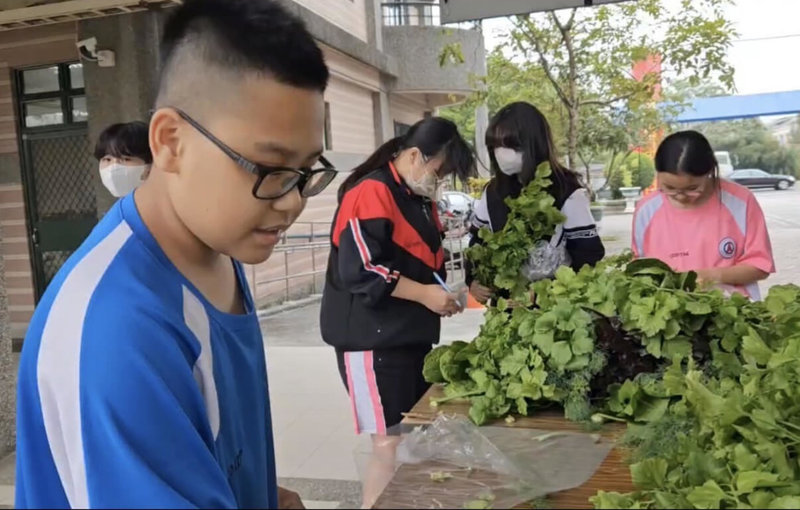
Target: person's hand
480	293
708	276
440	301
289	500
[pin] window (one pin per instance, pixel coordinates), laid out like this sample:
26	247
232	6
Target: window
328	135
52	95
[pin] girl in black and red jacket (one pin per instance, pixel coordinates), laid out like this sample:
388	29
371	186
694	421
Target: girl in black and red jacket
382	306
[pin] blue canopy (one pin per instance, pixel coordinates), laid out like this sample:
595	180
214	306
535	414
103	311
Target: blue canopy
740	107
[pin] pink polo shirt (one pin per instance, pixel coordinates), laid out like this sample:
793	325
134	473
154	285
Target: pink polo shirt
728	230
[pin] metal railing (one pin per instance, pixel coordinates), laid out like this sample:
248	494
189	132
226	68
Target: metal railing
313	239
309	231
398	13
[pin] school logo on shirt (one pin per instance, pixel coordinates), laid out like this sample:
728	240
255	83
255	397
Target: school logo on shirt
727	248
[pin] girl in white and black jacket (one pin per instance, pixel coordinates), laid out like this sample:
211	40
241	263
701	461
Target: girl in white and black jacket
519	140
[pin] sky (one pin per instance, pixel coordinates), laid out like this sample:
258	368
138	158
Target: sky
766	54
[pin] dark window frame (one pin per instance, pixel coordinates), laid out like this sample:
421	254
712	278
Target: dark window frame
65	93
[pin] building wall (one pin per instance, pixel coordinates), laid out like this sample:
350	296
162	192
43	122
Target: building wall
349	15
350	96
407	108
18	49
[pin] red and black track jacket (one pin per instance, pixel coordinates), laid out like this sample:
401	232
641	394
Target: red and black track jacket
381	230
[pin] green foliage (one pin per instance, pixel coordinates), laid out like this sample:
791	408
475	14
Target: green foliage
532	217
451	54
587	54
507	81
635	169
751	145
709	384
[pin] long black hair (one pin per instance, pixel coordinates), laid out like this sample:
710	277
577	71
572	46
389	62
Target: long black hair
522	127
433	136
687	152
130	139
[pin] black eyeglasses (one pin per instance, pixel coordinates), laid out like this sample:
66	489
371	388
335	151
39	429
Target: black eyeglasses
274	181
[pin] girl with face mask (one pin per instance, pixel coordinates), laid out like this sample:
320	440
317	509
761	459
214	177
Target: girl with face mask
124	157
519	140
382	305
699	222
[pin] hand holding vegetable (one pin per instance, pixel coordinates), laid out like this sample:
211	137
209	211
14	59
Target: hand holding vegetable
480	293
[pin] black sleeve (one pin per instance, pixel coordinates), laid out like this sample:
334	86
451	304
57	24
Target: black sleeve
580	232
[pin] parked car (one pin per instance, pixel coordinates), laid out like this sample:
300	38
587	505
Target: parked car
458	202
455	209
755	178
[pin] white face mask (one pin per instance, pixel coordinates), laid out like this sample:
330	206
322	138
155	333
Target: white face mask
509	160
425	186
120	180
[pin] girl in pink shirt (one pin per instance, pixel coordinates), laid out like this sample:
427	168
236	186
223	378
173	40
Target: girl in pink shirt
699	222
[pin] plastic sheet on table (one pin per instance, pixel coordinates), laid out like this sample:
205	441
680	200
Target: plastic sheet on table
454	464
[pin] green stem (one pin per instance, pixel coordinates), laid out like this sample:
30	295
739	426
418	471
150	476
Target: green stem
437	401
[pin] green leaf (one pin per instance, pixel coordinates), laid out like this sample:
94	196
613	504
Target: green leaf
754	348
650	473
744	459
672	330
748	481
698	308
761	499
709	495
611	500
544	341
787	502
679	348
561	354
581	343
651	409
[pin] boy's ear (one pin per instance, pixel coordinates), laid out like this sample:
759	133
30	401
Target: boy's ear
166	144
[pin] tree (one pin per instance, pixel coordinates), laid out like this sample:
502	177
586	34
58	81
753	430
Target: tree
504	83
586	54
751	145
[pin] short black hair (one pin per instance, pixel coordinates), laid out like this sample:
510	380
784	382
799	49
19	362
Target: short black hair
129	139
240	37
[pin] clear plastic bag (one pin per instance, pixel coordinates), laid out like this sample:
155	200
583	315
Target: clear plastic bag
546	257
454	464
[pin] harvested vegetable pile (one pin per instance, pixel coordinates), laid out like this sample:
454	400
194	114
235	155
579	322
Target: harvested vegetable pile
709	384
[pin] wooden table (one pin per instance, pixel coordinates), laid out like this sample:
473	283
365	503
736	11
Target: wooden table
613	474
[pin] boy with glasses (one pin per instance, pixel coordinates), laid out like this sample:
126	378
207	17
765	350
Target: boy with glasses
143	380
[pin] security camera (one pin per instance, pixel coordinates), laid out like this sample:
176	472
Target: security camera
88	49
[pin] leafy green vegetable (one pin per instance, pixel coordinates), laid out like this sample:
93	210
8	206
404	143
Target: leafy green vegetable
532	217
709	385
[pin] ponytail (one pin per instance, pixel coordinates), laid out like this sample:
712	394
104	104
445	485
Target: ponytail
432	136
379	159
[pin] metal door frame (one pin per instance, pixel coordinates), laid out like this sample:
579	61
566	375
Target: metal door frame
25	133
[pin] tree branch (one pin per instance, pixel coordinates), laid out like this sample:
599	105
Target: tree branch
548	71
608	102
566	38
